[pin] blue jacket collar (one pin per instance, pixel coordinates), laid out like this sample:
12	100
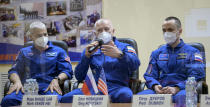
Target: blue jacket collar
179	45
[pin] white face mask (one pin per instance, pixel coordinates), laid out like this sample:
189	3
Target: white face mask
105	36
41	41
170	37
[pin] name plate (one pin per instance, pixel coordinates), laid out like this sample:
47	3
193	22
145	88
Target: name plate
152	100
205	100
90	101
39	101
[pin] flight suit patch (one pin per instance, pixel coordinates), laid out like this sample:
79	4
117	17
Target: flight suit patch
51	54
163	57
182	56
198	57
30	54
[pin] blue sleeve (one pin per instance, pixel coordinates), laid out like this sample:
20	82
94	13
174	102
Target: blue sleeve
129	59
18	66
195	68
152	74
64	64
82	67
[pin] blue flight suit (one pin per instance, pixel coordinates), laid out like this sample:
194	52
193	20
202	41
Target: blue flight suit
172	66
42	66
117	71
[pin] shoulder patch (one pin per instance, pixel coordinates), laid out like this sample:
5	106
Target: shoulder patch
198	57
131	49
67	58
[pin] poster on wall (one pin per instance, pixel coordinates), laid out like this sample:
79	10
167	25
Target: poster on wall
30	11
11	40
71	21
8	13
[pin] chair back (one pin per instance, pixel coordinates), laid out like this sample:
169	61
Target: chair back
132	42
201	48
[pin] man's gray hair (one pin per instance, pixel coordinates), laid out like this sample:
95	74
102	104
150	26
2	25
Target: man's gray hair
34	25
103	21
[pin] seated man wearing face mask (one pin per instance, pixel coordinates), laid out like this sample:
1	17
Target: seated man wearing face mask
171	64
48	64
117	60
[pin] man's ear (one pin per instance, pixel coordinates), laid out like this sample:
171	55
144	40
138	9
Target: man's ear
113	31
180	31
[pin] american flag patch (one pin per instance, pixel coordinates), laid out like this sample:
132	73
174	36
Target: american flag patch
68	59
130	49
198	57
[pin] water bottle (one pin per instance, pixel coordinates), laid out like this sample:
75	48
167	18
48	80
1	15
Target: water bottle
31	87
191	94
35	87
26	87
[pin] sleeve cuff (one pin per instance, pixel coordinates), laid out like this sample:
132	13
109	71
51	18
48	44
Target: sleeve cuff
181	86
11	72
150	85
68	74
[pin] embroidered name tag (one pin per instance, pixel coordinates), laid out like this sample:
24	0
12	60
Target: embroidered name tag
182	56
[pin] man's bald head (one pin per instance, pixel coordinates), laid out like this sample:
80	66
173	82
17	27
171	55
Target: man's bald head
104	25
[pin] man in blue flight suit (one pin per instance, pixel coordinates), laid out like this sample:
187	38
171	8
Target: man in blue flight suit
171	64
48	64
117	59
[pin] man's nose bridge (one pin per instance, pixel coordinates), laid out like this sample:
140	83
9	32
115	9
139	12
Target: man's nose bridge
103	30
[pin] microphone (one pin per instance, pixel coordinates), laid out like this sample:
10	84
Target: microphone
100	42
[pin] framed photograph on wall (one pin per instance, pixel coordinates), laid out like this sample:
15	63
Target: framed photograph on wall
8	13
31	11
56	8
76	5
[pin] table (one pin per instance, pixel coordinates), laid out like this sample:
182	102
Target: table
111	105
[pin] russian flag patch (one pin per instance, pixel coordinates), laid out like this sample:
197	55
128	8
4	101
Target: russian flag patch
130	49
198	57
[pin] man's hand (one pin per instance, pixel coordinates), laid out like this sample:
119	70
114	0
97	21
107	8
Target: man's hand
17	86
170	90
111	50
87	54
158	89
54	86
